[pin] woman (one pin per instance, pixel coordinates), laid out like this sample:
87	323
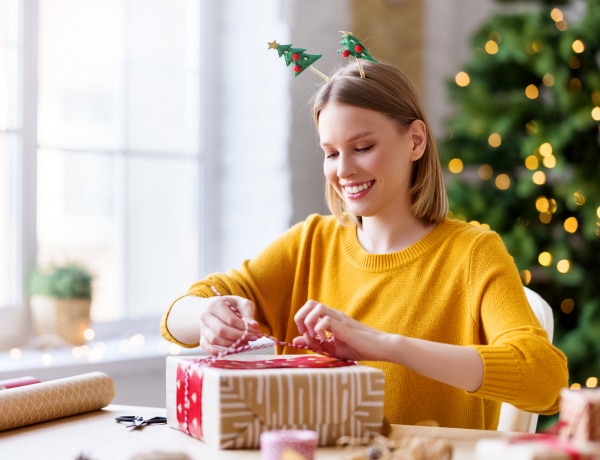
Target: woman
388	279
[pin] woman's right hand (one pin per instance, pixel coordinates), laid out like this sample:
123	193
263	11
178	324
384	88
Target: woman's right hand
226	320
215	322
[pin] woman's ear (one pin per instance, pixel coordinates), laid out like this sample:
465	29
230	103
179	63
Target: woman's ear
418	138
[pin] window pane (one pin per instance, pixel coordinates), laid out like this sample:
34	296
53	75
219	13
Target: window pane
79	219
10	156
81	78
10	230
161	243
118	158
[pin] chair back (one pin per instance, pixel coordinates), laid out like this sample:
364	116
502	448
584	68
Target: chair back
511	418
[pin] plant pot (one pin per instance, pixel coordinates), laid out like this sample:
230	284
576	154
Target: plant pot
66	318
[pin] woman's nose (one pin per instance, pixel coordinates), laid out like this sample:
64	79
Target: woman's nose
346	166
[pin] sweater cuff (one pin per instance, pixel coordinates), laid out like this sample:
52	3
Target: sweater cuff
164	330
501	373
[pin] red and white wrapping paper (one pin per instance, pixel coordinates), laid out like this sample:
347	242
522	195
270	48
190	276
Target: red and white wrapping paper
534	447
579	417
229	402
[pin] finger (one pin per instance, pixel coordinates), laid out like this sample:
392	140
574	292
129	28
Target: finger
219	325
301	315
246	310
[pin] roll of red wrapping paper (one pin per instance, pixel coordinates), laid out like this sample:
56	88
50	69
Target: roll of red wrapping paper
29	404
18	382
288	444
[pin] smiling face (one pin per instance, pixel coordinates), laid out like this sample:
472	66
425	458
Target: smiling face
368	158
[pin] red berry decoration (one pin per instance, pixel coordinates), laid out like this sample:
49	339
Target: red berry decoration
295	57
345	53
297	69
358	49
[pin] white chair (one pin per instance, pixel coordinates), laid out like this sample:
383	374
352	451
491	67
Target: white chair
511	418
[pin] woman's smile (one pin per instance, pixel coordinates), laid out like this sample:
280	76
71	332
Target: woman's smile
355	191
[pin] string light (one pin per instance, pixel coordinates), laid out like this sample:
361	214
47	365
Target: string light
15	353
531	127
531	162
579	198
47	359
571	225
532	91
596	113
534	47
591	382
539	178
495	140
545	259
491	47
503	181
575	386
542	204
556	15
525	277
455	165
575	84
548	80
545	217
578	46
462	79
549	161
563	266
567	306
485	172
545	149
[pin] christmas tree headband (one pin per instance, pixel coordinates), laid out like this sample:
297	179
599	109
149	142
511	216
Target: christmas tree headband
302	60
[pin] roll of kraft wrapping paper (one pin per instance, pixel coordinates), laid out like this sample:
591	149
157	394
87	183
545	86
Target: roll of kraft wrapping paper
54	399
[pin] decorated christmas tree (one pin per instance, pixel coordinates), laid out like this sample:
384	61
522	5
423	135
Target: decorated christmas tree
523	156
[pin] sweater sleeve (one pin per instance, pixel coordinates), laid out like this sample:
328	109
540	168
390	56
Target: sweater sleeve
266	280
521	366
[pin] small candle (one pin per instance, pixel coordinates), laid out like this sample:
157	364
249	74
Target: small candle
288	444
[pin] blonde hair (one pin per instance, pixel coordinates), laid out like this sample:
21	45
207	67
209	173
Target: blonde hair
387	90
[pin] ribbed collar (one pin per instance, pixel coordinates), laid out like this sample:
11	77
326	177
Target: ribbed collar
364	260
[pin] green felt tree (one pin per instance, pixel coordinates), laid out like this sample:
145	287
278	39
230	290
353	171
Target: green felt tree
523	157
354	47
296	56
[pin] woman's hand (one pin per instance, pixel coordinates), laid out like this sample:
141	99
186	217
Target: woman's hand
329	331
214	322
222	323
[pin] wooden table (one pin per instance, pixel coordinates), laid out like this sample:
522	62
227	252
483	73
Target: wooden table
96	436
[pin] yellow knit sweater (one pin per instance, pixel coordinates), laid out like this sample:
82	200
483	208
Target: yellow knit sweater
457	285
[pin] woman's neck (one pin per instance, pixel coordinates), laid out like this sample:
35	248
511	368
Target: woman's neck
382	237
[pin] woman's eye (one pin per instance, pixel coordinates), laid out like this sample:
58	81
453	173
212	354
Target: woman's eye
330	155
364	149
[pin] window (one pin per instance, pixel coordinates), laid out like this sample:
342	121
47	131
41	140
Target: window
116	157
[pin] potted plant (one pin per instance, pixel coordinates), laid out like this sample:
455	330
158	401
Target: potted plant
60	300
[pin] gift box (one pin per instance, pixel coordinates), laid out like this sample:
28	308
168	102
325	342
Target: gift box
534	447
579	417
229	402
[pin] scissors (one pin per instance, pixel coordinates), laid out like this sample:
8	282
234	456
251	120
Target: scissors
136	421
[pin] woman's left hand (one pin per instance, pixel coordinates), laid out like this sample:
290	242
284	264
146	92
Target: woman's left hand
330	331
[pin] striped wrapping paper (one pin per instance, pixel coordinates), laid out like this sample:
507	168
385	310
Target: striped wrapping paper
229	407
